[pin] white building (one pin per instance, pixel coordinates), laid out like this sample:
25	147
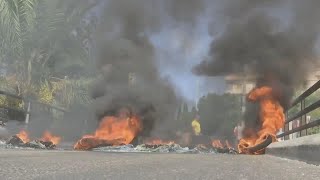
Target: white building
313	77
237	84
242	84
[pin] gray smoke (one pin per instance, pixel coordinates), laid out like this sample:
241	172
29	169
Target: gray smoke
125	50
185	11
279	52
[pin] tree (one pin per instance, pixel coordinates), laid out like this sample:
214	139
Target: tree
60	40
219	114
17	18
46	41
185	117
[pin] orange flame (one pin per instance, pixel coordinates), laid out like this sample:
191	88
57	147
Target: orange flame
116	130
228	144
158	142
48	137
271	117
218	144
23	135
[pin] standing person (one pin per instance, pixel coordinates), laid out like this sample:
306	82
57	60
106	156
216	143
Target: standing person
196	126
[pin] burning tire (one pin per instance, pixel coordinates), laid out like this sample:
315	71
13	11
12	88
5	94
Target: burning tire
261	146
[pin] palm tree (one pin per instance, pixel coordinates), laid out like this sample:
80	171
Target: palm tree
17	18
43	39
60	50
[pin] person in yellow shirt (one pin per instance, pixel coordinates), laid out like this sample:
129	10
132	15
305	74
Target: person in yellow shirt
196	126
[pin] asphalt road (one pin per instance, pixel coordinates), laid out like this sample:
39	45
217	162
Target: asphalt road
31	164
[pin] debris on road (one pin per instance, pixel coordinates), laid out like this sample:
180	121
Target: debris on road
165	148
88	143
15	141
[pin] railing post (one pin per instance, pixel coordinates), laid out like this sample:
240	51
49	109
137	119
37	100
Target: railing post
303	118
300	120
286	127
27	119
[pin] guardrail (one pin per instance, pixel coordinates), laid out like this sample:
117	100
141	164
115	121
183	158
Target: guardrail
26	111
302	114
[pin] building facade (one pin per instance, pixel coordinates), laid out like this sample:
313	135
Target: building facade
242	84
239	84
312	78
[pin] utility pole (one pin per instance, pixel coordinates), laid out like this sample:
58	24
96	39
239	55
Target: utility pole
243	81
197	93
243	98
244	88
27	119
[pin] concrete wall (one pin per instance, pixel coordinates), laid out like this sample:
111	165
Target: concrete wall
305	148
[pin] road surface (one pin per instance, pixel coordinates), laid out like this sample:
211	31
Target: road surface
35	164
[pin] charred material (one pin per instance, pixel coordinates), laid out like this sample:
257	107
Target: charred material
227	150
37	144
91	143
48	144
15	141
260	147
34	144
165	148
153	146
176	148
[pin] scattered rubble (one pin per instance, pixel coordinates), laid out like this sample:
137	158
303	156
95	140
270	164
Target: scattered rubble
124	148
105	146
165	148
15	141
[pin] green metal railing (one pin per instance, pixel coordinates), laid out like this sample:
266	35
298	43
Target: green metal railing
301	116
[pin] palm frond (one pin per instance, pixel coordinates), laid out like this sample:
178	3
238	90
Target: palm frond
16	19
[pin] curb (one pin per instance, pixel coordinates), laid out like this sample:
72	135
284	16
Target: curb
305	149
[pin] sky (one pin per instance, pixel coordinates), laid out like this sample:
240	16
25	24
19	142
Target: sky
177	51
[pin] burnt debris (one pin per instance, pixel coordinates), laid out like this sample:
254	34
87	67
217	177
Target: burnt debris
36	144
166	148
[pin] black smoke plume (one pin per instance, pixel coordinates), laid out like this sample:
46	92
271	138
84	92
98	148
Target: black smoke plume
279	52
185	11
129	76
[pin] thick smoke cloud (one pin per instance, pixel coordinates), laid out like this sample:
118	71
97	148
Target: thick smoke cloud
254	39
125	49
123	38
185	11
279	52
